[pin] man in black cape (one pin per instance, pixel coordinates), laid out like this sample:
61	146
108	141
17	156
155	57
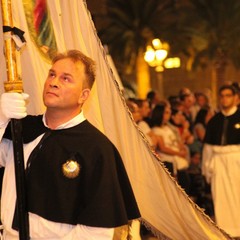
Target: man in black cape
77	186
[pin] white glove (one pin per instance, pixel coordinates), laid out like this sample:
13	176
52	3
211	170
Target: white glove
13	105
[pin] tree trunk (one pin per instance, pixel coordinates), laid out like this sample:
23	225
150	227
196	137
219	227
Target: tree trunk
214	88
142	76
220	66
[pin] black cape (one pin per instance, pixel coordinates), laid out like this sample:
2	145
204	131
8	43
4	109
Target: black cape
101	194
215	129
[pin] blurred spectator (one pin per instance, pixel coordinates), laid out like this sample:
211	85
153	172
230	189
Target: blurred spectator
133	107
237	87
144	110
187	102
174	102
184	91
171	148
201	100
203	116
153	98
199	128
180	122
199	188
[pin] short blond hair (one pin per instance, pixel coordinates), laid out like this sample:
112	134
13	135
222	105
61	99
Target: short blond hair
77	56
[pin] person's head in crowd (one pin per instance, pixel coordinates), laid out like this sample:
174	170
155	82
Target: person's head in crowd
201	99
133	107
237	86
144	107
184	91
228	97
187	99
174	101
177	104
177	117
203	116
161	114
153	98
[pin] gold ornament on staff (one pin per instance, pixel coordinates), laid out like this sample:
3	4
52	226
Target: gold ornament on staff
13	84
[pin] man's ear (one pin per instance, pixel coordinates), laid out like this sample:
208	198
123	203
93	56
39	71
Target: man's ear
84	96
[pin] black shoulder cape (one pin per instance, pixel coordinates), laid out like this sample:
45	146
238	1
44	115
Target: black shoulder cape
99	196
215	128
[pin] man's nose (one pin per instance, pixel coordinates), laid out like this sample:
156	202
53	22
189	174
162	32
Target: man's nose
54	82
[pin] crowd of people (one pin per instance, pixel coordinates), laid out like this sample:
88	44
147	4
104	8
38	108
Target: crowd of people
199	145
176	130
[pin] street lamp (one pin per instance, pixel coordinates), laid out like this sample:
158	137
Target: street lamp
156	54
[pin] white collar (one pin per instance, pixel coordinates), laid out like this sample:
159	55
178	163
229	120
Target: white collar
71	123
230	112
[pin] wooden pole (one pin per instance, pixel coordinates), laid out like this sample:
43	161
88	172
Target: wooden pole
13	84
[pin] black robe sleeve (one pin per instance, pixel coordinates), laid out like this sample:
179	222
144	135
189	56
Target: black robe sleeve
32	127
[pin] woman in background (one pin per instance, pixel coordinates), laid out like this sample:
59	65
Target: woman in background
172	149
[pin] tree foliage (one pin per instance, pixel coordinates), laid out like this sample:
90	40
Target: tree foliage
212	29
206	31
132	23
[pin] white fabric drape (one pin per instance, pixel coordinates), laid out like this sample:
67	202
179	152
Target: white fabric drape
164	207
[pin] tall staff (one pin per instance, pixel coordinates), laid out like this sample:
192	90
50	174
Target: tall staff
13	84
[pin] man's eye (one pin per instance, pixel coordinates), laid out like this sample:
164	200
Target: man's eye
51	74
66	79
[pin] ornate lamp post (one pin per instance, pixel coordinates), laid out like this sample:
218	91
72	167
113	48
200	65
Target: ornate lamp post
156	56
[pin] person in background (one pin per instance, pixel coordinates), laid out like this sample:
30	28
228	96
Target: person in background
202	119
187	103
144	111
180	122
153	98
221	162
201	100
134	109
200	190
237	86
77	186
171	149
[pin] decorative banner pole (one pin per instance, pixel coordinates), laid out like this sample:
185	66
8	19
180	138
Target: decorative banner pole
13	84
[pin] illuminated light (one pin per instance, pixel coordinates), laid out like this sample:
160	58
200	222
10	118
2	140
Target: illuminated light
159	68
172	63
153	63
166	46
156	56
161	54
157	44
149	55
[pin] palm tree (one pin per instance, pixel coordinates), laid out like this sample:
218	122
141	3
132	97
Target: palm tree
212	31
131	25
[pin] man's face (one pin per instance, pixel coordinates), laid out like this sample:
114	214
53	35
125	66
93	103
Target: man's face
227	99
63	88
